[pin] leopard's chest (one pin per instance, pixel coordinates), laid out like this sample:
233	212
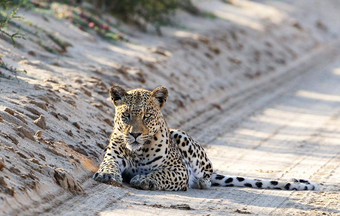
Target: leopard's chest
142	166
148	159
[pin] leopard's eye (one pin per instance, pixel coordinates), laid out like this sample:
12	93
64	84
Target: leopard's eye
126	115
147	115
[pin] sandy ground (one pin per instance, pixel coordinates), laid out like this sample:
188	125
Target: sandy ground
258	86
291	132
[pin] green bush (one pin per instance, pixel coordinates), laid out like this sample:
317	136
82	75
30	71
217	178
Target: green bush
141	12
8	11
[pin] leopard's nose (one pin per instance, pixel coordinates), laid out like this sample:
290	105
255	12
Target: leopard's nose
135	135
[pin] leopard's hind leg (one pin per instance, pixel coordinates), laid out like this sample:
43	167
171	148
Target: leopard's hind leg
195	159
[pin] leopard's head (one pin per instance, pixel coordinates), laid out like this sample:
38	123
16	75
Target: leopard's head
138	114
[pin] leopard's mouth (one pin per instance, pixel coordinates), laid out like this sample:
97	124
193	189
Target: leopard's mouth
134	145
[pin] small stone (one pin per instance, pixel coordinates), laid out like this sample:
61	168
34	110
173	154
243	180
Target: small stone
42	157
108	121
14	170
203	39
78	149
74	159
101	145
88	93
37	87
2	164
4	187
242	211
217	106
40	105
44	98
161	51
32	53
98	105
32	110
208	55
55	114
7	117
297	25
21	154
123	69
235	60
56	64
33	117
70	101
38	134
78	81
69	132
34	160
63	116
215	49
321	26
41	122
150	65
67	181
9	111
10	191
23	131
1	119
75	124
51	81
181	206
14	140
2	182
20	118
21	135
54	152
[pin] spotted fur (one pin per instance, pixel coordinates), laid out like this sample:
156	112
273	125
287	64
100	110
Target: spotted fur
144	152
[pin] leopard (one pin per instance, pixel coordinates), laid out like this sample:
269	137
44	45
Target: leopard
145	153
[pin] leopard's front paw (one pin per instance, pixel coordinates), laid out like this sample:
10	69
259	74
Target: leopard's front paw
108	178
144	183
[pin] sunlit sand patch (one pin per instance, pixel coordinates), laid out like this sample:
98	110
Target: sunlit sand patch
319	96
336	71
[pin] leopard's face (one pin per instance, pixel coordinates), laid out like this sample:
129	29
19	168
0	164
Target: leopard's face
138	114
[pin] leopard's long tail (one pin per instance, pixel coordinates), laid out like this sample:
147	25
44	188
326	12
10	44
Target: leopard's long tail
228	181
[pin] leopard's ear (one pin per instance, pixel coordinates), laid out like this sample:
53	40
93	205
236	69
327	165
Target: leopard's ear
160	94
117	95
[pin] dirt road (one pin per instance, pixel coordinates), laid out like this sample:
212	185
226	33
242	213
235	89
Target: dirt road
281	132
256	84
